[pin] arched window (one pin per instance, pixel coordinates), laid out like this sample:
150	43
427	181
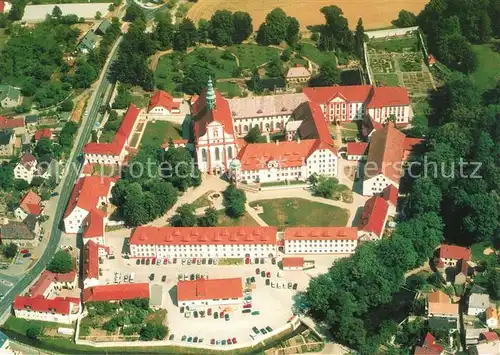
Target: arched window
230	152
245	128
268	127
217	153
204	155
278	125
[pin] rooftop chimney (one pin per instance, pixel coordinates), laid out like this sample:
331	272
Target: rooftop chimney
277	142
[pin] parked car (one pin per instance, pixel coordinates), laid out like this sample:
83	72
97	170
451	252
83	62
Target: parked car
164	278
137	262
143	261
269	329
183	262
255	330
54	194
216	261
209	312
198	262
295	285
226	316
148	261
27	255
223	342
152	276
268	275
263	331
262	261
204	261
190	339
24	251
188	261
268	282
278	285
256	260
192	277
221	314
158	262
216	315
195	314
246	310
257	271
183	338
262	273
187	314
200	340
234	341
273	261
248	305
290	285
255	313
248	298
217	342
229	341
165	261
171	337
174	261
212	341
279	274
273	285
195	339
210	261
252	279
125	278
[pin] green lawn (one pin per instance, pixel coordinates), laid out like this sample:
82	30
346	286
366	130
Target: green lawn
394	44
390	79
140	101
477	251
222	67
253	55
203	201
164	75
245	220
20	325
313	53
228	89
292	212
421	106
488	72
159	132
3	38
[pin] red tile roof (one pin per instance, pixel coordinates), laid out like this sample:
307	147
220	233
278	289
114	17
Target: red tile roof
11	123
221	114
490	336
146	235
163	99
2	6
429	342
87	191
420	350
59	305
409	144
292	262
353	93
454	252
321	233
43	133
47	278
384	96
94	224
116	292
374	215
390	194
386	153
28	160
31	203
209	289
357	148
91	260
320	123
121	136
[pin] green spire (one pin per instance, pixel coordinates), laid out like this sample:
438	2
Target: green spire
210	95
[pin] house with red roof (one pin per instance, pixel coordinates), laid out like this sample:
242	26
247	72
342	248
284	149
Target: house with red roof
93	228
115	293
43	133
357	151
163	104
92	252
373	219
292	263
320	240
185	242
30	204
429	346
212	292
60	309
48	282
26	168
4	7
15	124
451	254
116	151
90	193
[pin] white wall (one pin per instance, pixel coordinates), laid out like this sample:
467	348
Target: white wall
218	302
327	246
376	185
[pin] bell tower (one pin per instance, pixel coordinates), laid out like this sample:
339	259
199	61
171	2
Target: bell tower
210	97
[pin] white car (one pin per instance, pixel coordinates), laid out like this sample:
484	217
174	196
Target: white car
248	301
278	285
183	262
280	274
216	261
273	285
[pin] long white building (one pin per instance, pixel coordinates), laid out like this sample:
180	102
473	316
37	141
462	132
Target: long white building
60	309
213	292
206	242
320	240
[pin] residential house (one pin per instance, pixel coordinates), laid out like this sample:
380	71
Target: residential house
49	283
492	317
30	204
31	120
373	219
14	124
461	272
478	303
60	309
451	254
26	168
297	75
17	233
4	9
441	311
486	348
357	151
10	96
7	140
32	223
103	27
162	104
429	346
90	192
94	225
93	253
292	263
43	133
114	293
88	42
212	292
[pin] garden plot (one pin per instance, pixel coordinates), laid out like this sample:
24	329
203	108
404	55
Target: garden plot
381	62
417	83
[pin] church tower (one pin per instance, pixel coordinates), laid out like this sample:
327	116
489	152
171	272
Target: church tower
210	97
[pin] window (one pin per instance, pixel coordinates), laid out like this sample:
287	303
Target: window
230	152
204	155
217	153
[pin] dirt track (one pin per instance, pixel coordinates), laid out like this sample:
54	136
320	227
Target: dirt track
375	13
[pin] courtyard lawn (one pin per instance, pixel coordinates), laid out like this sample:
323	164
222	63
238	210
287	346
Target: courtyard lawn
389	79
228	89
253	55
488	71
159	132
311	52
245	220
395	44
293	212
203	201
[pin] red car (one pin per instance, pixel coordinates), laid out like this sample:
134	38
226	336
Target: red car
248	305
209	312
268	275
257	271
229	342
212	342
165	261
221	314
194	260
24	251
234	341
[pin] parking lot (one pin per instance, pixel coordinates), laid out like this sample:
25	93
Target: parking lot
273	304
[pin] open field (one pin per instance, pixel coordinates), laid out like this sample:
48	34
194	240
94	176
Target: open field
488	71
375	13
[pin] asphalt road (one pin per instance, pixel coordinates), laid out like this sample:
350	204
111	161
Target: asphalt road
68	182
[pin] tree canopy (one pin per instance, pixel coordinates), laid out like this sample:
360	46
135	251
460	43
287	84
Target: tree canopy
234	201
62	263
277	28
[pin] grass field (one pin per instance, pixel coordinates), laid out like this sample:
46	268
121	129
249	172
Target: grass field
375	13
228	89
390	79
394	44
159	132
252	55
245	220
293	212
223	68
312	52
488	72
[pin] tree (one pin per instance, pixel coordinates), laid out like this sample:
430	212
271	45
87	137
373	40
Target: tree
187	35
243	27
359	38
62	263
336	31
163	32
425	197
123	99
286	55
184	217
196	78
328	75
21	185
325	187
34	331
274	29
44	149
133	13
203	30
222	28
255	84
56	13
234	201
274	68
405	19
179	168
153	331
9	250
67	105
98	15
254	135
210	218
292	31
